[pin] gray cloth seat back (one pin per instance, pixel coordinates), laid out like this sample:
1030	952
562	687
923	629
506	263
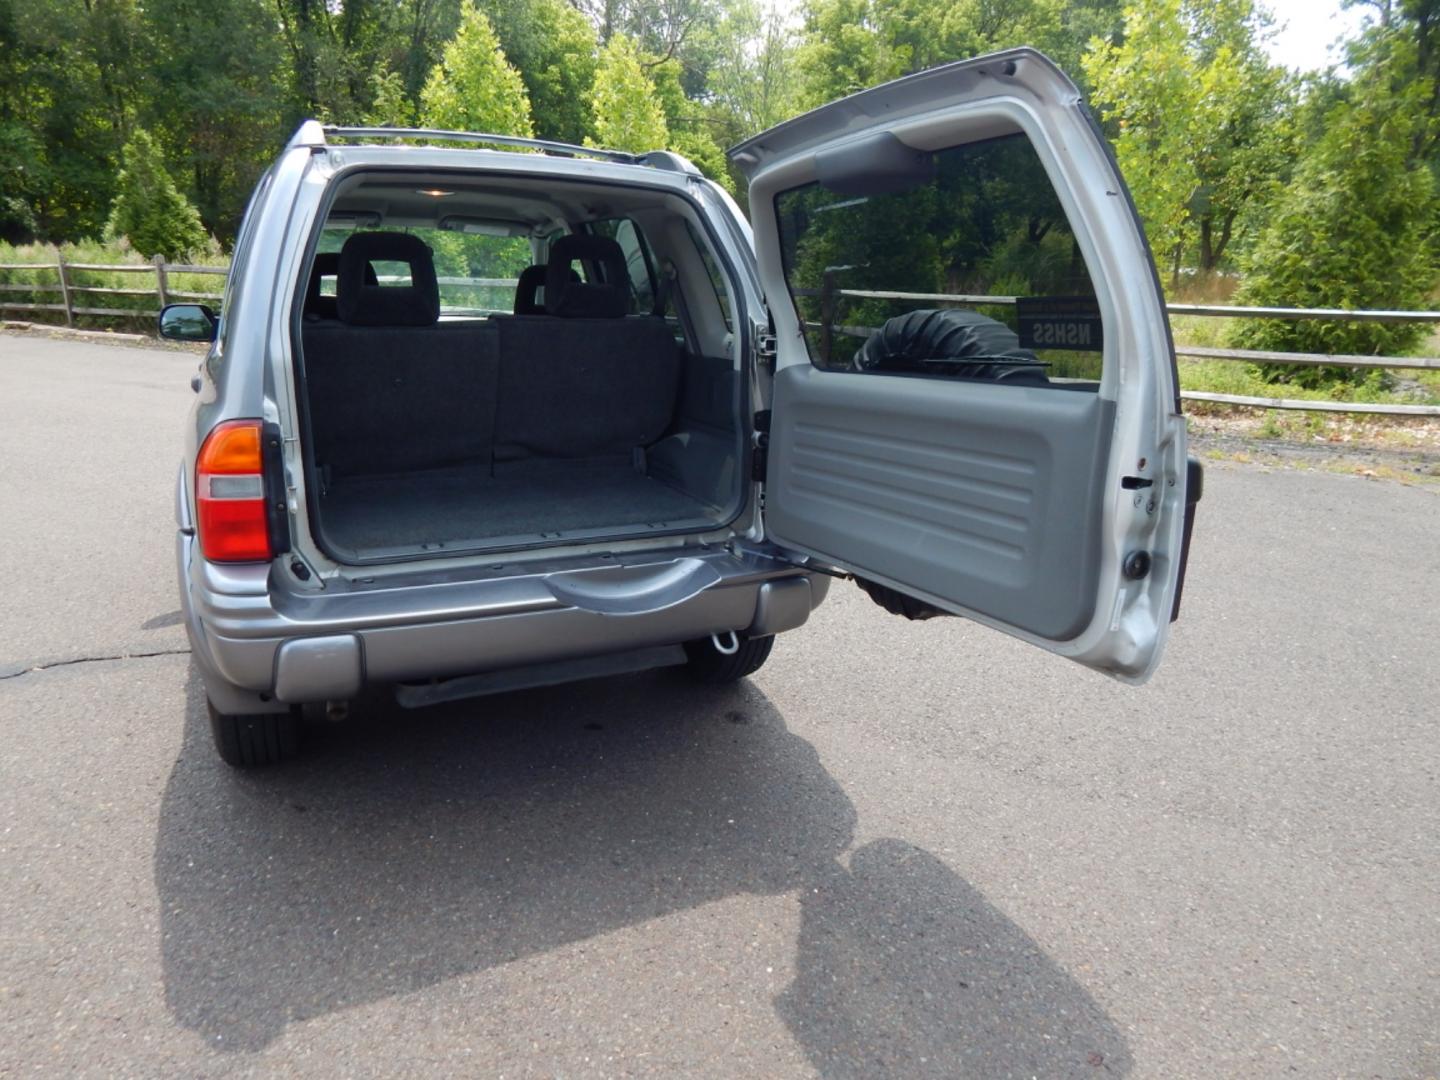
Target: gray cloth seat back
584	387
391	390
590	381
390	399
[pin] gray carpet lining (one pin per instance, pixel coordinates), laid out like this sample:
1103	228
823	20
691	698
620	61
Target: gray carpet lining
525	502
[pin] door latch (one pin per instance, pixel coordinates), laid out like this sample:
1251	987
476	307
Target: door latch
760	447
765	347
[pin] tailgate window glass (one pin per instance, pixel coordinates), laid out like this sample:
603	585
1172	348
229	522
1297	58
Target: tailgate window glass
972	271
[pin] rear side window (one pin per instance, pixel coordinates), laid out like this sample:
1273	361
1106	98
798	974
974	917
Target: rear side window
971	272
717	279
243	243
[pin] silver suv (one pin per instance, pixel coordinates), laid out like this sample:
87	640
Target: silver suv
482	413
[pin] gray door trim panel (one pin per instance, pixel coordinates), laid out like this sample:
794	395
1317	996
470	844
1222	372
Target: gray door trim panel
983	497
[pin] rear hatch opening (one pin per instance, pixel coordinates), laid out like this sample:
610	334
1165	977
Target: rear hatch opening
485	367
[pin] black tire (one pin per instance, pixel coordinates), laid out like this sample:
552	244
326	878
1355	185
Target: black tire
708	664
246	742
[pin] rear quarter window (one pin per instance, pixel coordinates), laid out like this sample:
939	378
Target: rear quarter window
638	263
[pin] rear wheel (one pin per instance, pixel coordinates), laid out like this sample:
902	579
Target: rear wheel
707	664
260	739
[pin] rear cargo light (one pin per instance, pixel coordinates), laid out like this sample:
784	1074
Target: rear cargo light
232	521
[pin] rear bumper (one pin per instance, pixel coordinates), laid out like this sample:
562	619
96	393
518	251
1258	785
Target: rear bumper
263	646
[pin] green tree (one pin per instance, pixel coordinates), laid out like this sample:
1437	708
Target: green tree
1201	120
214	99
20	173
844	48
334	48
389	106
1357	227
689	124
662	30
628	115
1402	47
474	87
149	211
420	31
64	108
753	78
553	46
848	45
1146	88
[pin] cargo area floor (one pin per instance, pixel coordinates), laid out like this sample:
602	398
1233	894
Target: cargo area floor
523	503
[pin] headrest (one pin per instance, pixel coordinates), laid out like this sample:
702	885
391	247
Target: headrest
361	301
327	264
527	289
573	299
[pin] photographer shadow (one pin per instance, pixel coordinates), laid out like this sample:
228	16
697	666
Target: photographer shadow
407	848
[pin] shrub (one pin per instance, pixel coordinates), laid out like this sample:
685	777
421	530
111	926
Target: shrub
628	114
474	87
1353	230
149	211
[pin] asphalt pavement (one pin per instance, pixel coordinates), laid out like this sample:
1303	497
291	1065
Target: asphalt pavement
899	850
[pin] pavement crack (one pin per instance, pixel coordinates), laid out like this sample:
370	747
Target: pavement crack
46	665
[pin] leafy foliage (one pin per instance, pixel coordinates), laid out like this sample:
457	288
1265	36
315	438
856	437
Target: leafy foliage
149	212
753	79
687	123
851	44
61	114
553	47
474	87
1200	118
1322	191
389	106
1356	229
628	115
214	100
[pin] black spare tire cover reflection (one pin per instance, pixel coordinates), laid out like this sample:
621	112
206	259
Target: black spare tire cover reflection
949	341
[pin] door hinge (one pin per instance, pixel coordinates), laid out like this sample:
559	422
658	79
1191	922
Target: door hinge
765	347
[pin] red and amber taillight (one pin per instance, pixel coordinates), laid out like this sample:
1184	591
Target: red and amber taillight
232	520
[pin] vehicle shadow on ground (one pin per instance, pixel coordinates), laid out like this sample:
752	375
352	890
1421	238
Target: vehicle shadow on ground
410	847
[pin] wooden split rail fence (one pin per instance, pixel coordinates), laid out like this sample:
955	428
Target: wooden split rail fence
73	293
71	304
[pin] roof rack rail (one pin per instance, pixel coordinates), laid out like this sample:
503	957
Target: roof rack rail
329	131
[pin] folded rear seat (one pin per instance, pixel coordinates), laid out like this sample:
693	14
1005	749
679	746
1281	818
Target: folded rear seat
391	389
589	381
